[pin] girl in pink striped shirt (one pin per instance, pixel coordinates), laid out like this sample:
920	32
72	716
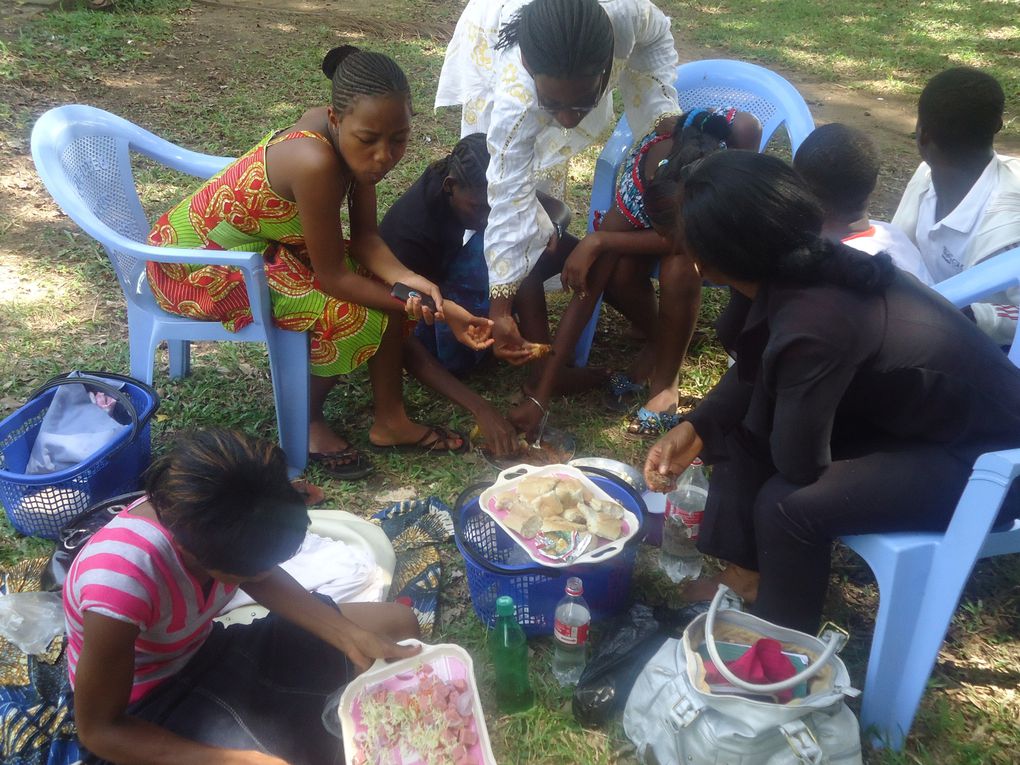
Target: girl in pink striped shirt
155	680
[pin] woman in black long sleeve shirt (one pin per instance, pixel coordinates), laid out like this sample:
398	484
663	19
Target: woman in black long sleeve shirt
858	402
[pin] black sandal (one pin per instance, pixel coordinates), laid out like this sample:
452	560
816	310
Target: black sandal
429	442
345	465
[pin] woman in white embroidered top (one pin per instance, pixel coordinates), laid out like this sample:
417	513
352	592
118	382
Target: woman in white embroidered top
536	78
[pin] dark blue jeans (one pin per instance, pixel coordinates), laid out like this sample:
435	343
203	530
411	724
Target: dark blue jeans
260	686
467	284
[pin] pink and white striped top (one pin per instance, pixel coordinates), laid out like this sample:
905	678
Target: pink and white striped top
131	572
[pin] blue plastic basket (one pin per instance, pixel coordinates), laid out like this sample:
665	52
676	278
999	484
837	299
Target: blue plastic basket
496	565
41	505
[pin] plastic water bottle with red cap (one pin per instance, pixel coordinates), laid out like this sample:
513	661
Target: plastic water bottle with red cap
571	631
679	558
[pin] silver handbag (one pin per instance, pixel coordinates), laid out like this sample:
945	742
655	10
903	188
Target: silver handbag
674	716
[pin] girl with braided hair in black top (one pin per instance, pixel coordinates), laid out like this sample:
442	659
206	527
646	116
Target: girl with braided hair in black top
284	199
426	228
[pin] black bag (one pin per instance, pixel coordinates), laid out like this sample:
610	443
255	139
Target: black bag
629	642
75	534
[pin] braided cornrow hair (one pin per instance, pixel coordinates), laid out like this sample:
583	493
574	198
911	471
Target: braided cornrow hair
355	72
561	38
697	134
467	163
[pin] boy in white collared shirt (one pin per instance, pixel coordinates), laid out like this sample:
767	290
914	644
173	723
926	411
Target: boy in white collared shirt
962	205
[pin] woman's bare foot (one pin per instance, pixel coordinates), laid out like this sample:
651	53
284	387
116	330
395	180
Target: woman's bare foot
663	401
322	439
742	581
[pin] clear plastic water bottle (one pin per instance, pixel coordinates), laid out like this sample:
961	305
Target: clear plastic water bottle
508	649
571	631
685	507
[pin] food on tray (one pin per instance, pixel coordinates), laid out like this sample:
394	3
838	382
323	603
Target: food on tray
562	524
523	520
533	488
432	723
558	504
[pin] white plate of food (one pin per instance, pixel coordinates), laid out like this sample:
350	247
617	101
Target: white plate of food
423	710
558	515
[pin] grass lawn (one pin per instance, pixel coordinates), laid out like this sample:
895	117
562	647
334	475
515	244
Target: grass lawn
215	79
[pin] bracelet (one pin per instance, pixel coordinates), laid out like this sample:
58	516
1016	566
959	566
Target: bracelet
535	401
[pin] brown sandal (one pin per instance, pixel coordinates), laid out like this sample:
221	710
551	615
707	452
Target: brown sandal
429	442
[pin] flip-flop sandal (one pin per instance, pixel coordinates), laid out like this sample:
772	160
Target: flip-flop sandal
345	465
429	442
622	393
646	423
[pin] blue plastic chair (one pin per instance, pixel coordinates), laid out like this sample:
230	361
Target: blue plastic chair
83	156
921	575
712	82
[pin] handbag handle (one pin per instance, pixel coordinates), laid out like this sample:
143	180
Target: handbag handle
831	640
118	394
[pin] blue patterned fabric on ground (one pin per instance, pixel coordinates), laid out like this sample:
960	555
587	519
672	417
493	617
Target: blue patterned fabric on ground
36	724
416	528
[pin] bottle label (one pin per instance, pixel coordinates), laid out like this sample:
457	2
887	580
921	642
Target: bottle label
691	519
571	635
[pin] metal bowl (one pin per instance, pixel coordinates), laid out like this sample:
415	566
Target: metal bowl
627	473
559	441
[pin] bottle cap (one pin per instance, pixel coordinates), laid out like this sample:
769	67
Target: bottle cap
504	606
574	586
696	462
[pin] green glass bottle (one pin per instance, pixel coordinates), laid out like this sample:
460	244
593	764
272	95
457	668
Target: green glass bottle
508	649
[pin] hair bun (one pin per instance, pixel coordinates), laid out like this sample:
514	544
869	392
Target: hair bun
333	59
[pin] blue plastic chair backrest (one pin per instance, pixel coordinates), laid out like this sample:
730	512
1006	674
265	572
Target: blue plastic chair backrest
83	156
714	82
996	274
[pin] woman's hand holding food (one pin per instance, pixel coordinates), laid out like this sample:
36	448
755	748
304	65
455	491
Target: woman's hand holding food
499	434
670	456
527	417
509	345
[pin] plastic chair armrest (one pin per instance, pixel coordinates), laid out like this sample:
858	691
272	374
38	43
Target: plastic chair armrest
986	278
174	156
250	264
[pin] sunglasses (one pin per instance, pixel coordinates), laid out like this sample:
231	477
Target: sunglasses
576	109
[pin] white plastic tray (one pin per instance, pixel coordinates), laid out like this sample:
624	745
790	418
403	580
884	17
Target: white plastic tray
448	661
602	549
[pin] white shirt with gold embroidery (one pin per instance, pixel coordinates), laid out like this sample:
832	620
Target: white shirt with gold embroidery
497	97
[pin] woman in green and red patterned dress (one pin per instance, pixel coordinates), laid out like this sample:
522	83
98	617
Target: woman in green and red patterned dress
284	198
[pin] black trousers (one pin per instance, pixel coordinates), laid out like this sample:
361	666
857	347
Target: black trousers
760	521
260	686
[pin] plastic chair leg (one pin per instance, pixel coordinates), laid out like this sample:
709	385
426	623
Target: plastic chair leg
897	576
141	345
179	352
583	348
288	365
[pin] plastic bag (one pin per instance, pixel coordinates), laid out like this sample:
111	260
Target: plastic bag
627	645
31	620
77	424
